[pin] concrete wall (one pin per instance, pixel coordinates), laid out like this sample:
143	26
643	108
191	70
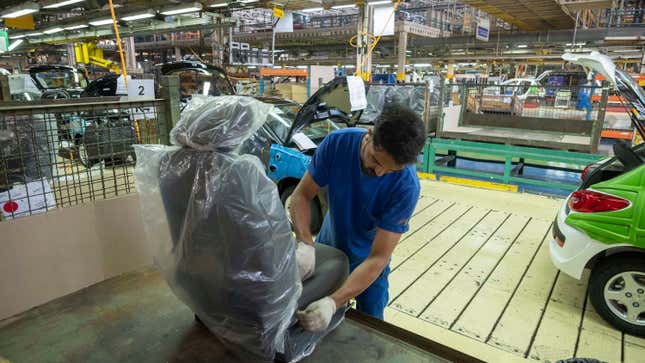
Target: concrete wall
47	256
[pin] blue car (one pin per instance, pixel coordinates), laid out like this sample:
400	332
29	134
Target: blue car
291	134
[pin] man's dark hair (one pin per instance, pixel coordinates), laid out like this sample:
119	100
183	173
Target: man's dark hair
400	132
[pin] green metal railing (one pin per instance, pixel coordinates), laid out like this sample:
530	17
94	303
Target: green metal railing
507	153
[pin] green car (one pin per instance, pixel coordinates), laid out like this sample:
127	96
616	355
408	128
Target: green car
601	226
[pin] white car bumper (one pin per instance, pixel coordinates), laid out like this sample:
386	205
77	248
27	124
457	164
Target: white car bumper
578	248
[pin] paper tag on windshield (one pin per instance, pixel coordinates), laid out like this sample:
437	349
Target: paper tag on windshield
303	141
357	97
121	89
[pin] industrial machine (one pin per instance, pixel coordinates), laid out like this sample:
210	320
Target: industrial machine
89	53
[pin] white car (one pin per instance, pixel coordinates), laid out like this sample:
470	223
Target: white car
520	87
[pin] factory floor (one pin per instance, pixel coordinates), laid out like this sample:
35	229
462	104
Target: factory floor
474	273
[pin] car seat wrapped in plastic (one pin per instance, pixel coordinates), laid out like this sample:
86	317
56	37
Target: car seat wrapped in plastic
224	242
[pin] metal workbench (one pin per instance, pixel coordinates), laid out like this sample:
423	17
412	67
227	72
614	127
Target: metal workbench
136	318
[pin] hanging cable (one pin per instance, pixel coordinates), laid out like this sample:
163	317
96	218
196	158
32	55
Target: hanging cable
118	42
376	39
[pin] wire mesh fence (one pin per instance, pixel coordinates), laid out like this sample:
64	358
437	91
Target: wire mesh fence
530	100
70	152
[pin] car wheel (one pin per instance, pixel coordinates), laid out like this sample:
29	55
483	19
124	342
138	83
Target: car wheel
617	291
316	212
84	157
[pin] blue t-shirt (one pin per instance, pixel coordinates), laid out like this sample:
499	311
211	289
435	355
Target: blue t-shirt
359	203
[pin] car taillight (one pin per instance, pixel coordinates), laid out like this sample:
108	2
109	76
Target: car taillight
588	201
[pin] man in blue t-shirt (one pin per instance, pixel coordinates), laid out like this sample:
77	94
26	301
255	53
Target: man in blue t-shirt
372	191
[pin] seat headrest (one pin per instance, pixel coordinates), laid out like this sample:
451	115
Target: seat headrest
219	123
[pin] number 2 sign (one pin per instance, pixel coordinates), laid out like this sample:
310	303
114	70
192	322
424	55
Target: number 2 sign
142	88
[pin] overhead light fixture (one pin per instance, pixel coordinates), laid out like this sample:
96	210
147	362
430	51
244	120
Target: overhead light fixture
24	9
348	6
99	22
17	36
74	27
188	8
15	44
248	1
522	46
34	34
379	2
311	10
60	4
138	16
53	30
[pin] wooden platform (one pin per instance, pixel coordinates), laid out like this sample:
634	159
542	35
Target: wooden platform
476	264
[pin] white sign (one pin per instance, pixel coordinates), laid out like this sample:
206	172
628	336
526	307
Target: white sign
357	97
285	24
142	88
26	199
383	20
483	27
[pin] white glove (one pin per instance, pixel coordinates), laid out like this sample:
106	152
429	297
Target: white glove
306	259
317	315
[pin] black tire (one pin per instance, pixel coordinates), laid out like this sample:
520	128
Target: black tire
316	210
85	156
608	271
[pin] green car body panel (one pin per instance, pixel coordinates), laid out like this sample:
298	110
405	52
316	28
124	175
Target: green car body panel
624	226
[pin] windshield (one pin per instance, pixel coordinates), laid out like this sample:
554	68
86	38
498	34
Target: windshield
200	81
54	79
283	116
317	131
281	119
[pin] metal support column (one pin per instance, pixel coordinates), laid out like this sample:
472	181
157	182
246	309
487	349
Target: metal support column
216	45
402	48
177	53
130	55
367	69
169	115
71	55
360	30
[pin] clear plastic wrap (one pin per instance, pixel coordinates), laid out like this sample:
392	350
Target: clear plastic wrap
412	96
224	242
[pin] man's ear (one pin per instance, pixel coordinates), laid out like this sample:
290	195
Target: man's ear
369	132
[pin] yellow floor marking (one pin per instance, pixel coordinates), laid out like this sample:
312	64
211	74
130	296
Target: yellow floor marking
558	332
449	304
429	176
530	205
423	217
479	183
432	269
598	339
634	349
449	338
483	311
514	330
426	233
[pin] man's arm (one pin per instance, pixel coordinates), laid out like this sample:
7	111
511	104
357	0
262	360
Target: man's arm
370	269
300	211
